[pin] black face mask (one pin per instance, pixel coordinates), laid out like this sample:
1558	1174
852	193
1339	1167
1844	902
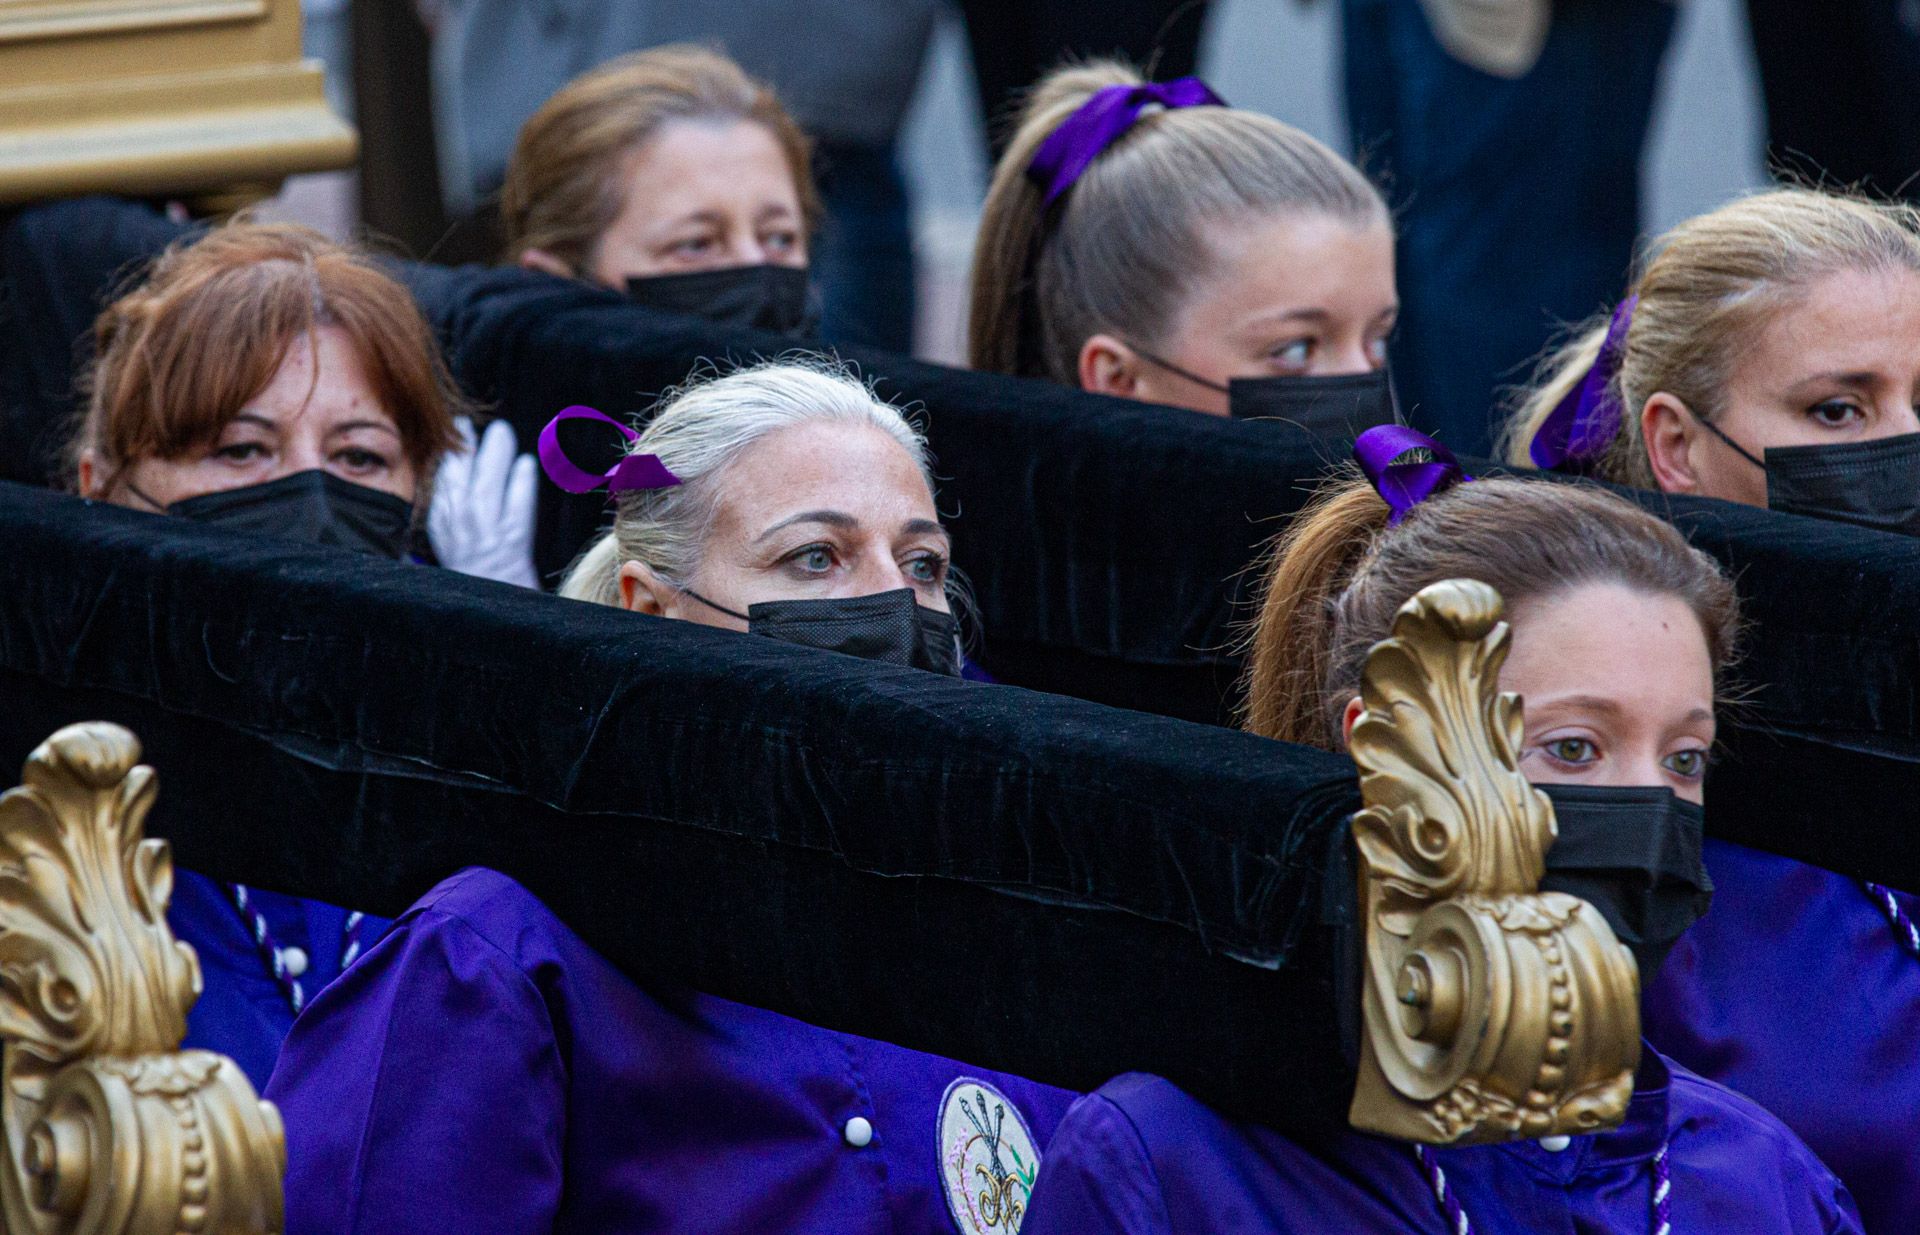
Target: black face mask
1633	854
314	507
1871	484
773	298
1343	406
886	626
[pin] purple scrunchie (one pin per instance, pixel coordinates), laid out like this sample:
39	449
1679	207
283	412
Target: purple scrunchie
1583	425
1405	485
632	472
1070	149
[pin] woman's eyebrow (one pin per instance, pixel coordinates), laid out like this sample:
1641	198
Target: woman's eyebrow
350	426
924	527
832	518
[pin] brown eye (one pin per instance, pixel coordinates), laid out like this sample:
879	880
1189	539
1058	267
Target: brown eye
1687	764
1573	751
1835	414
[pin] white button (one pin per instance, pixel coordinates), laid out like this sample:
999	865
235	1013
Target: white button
1554	1144
295	959
859	1132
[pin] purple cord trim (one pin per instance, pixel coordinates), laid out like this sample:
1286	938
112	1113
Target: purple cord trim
1459	1224
1903	926
352	941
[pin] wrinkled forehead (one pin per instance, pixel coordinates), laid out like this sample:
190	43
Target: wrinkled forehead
855	469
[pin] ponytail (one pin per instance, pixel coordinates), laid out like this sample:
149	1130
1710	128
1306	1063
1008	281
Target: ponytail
1559	371
1291	648
1125	248
1003	325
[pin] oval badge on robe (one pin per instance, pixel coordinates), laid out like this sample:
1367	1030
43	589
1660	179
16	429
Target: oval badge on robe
987	1158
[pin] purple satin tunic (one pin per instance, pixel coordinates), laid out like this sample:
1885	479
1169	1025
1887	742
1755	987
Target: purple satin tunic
1796	991
243	1012
1140	1157
482	1070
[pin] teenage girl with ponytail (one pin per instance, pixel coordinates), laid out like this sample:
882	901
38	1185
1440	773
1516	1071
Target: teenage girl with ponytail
1147	240
1619	630
1769	353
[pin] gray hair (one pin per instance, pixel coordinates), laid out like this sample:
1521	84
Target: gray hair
702	428
1125	247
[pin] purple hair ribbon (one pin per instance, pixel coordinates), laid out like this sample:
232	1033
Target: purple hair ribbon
1070	149
1582	426
632	472
1405	485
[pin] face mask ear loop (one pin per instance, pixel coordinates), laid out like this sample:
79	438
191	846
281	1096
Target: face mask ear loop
135	490
1715	429
1171	367
687	591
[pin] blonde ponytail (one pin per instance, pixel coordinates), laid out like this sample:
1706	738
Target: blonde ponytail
1712	285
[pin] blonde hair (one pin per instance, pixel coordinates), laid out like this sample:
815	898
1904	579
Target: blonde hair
1710	285
699	430
1340	573
1124	248
565	184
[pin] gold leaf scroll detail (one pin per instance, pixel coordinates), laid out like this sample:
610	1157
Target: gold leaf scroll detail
1491	1010
109	1129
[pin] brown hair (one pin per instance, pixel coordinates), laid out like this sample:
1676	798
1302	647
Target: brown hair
1124	248
1340	573
564	184
1712	283
178	356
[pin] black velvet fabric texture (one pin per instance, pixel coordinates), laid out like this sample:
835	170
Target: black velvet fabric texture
1024	881
1109	543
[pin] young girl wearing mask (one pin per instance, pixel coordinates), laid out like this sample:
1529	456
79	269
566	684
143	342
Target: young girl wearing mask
1619	630
1769	354
1148	241
671	175
787	501
266	380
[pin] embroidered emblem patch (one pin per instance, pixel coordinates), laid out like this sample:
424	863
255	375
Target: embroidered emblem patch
987	1158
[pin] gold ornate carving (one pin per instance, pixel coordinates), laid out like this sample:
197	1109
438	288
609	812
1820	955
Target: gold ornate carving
159	97
108	1128
1491	1010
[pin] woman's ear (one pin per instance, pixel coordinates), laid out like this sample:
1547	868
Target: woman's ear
1109	367
643	591
1668	429
1350	718
89	473
545	263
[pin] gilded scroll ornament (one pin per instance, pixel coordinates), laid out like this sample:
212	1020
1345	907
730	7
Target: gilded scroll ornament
109	1128
1491	1010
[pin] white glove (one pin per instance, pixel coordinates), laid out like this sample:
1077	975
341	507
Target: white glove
481	520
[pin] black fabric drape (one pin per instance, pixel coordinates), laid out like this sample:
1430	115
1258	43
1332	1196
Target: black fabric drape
1028	882
1108	542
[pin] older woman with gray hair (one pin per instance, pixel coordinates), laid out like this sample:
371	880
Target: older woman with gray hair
783	500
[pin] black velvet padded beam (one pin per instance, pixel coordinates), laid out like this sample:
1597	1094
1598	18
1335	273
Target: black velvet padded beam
1109	542
1027	882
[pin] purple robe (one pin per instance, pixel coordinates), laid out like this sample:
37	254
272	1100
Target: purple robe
243	1011
1140	1157
1795	991
483	1070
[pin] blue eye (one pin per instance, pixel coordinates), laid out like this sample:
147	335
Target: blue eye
1296	354
927	568
812	559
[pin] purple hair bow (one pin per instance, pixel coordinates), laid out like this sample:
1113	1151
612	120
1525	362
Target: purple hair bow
1405	485
1070	149
1582	426
632	472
